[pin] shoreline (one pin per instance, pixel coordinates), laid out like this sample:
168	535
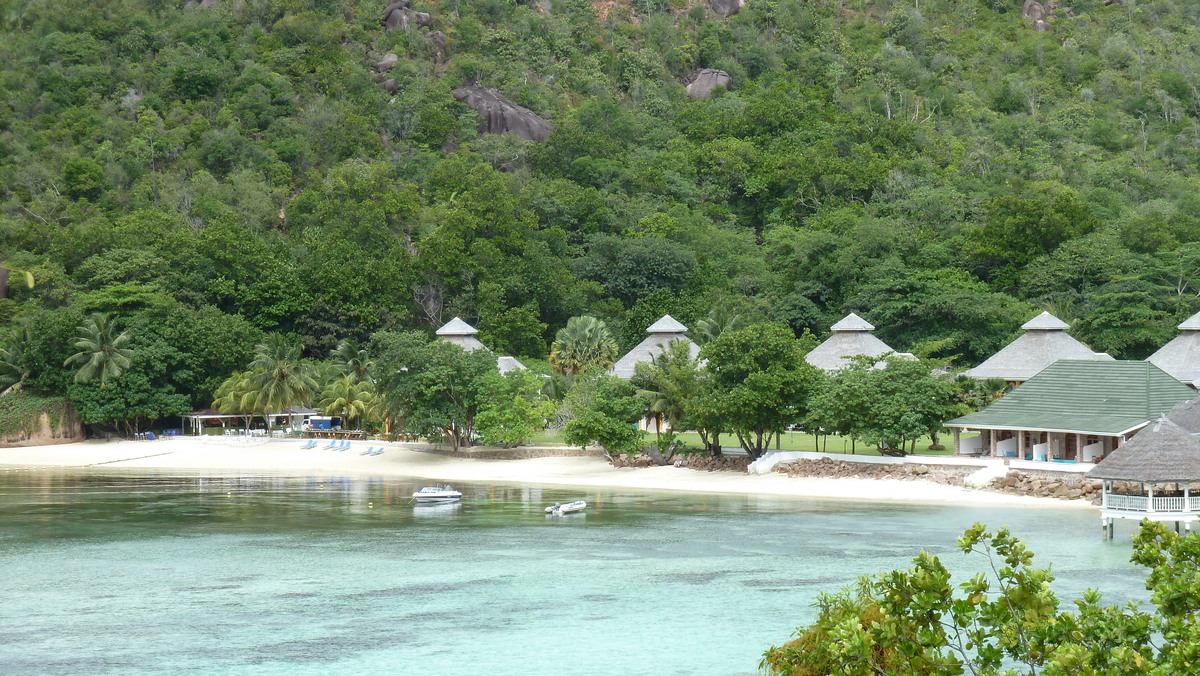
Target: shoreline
216	457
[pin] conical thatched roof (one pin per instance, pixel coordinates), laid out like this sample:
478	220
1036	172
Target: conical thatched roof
506	364
457	327
666	324
662	333
1162	452
1186	414
1181	356
851	337
461	334
1045	322
853	322
1044	342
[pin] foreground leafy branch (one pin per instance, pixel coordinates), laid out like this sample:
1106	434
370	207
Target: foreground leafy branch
1008	621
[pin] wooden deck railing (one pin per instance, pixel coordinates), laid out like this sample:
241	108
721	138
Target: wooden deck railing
1141	503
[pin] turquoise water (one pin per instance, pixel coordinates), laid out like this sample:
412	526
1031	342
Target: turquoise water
112	574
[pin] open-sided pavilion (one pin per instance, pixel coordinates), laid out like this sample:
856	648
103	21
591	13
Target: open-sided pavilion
1154	476
1074	410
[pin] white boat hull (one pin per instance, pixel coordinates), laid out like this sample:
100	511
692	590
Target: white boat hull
571	507
436	494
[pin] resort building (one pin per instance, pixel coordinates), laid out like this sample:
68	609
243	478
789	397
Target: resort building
851	337
1044	342
1074	410
1181	356
662	333
1153	476
462	334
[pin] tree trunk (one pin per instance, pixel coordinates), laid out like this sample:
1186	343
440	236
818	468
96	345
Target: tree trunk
661	459
3	282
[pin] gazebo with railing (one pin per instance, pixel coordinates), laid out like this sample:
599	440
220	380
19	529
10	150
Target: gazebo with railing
1152	476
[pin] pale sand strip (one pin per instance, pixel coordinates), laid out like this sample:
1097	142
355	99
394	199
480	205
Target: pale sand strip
189	455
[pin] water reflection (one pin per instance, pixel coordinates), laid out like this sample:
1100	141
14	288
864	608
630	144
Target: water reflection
321	575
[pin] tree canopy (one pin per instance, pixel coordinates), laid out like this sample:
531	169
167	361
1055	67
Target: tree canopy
220	171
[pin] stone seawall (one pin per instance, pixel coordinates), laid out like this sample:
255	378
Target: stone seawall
694	461
828	468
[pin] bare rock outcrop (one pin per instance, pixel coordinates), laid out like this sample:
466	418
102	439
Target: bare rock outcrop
726	8
707	79
386	62
438	40
1035	12
501	115
399	14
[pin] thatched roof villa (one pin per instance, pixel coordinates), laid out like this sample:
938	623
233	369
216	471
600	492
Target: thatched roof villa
851	337
662	333
1181	356
1044	342
462	334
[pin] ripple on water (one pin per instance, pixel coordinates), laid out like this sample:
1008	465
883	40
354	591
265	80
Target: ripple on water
117	575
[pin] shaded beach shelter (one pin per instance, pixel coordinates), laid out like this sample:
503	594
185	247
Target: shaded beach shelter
662	333
1044	342
1181	356
851	337
195	422
462	334
1075	410
1152	476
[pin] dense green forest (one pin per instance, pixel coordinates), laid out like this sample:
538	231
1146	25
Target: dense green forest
211	174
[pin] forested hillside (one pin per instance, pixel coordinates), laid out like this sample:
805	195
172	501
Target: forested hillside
212	173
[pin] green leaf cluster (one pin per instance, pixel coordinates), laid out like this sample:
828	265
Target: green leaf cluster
1005	621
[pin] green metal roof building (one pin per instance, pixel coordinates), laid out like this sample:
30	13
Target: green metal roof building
1072	410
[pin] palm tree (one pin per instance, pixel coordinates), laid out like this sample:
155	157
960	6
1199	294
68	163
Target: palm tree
584	342
233	395
278	378
348	398
349	359
5	269
719	320
667	383
102	350
14	367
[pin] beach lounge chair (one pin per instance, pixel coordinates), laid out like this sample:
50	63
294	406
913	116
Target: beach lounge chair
345	446
312	443
377	451
329	446
368	451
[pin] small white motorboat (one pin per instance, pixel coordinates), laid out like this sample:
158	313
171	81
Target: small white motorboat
430	494
558	509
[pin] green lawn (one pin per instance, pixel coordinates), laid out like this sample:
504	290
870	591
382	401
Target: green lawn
791	441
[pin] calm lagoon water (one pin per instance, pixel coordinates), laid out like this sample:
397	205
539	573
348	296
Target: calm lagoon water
115	574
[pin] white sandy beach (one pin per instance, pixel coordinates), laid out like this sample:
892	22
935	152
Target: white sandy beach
216	457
